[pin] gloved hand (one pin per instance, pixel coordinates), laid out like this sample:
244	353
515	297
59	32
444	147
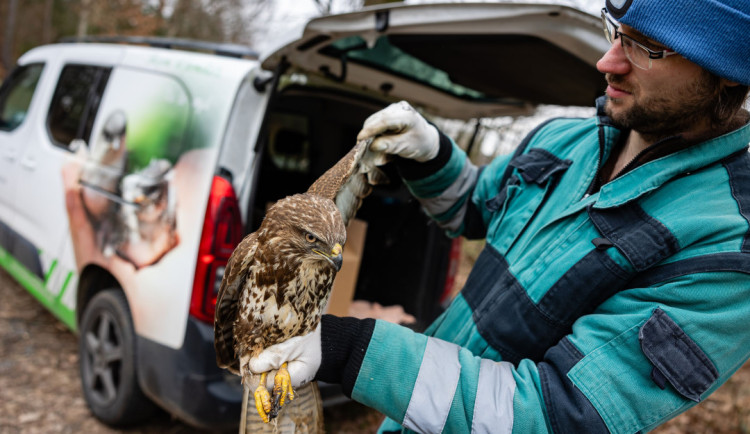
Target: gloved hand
398	129
303	354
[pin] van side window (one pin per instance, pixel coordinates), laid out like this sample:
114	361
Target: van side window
16	94
75	103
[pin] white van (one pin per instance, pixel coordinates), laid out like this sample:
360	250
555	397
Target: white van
130	169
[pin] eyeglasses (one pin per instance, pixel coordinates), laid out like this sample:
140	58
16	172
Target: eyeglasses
637	53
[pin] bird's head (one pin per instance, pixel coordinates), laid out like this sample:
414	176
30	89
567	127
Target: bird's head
307	227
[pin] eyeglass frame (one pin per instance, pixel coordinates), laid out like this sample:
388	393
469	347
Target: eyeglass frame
611	37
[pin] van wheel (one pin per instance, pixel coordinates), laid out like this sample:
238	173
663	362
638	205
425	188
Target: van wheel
106	350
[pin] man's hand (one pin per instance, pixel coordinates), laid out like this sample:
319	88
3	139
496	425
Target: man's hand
303	354
398	129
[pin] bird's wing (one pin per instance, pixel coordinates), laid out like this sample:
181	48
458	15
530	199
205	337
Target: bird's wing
227	302
351	179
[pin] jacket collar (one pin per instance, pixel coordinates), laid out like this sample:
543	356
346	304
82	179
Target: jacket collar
652	174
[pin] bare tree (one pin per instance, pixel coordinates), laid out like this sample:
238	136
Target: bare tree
8	37
239	18
47	21
324	6
83	18
217	20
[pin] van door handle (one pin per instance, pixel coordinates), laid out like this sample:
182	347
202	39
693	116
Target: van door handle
28	163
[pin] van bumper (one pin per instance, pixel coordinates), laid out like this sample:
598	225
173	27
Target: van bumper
187	383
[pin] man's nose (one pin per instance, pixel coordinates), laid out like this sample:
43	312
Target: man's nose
614	60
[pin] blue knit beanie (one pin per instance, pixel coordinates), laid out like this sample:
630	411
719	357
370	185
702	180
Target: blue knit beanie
714	34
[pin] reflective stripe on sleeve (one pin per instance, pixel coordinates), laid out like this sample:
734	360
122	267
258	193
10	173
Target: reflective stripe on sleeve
493	407
440	205
433	391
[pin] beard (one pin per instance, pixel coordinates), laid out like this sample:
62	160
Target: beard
666	114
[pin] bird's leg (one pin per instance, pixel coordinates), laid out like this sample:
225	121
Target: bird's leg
263	398
282	388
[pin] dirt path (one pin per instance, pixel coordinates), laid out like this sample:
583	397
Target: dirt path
39	387
40	390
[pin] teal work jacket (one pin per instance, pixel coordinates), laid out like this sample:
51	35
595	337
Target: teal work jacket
590	309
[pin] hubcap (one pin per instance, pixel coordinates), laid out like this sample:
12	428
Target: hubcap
103	358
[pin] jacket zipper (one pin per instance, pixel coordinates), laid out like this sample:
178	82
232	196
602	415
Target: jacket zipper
595	184
632	164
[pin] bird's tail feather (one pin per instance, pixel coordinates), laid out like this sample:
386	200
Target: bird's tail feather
245	403
302	415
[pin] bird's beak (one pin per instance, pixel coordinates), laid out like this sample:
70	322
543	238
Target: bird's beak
335	257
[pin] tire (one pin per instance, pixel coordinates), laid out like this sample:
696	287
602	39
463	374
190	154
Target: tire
107	360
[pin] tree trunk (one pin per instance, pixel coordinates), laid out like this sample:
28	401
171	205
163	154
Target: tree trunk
47	22
83	20
10	30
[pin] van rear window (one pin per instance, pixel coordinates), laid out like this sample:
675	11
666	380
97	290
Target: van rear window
386	56
509	69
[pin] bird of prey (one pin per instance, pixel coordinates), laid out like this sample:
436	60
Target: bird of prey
278	279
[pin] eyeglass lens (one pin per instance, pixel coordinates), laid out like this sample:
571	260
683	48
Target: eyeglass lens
635	54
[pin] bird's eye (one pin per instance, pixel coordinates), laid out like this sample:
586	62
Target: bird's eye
310	238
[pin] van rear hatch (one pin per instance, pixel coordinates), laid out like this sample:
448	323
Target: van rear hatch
454	61
457	61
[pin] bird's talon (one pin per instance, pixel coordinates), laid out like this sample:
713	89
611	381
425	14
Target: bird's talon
263	402
282	387
263	399
274	409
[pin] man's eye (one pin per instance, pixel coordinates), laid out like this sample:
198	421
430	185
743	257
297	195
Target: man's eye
310	238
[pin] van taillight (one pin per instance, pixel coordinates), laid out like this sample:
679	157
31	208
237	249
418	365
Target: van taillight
454	260
222	231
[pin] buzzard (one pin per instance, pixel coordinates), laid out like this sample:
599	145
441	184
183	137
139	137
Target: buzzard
278	279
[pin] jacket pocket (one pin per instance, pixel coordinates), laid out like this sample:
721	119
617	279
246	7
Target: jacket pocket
537	166
675	357
536	175
617	378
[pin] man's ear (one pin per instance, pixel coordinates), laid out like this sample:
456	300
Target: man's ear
728	83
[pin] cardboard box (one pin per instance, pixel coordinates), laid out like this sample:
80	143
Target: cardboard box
346	279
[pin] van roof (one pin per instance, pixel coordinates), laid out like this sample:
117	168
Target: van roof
192	67
217	48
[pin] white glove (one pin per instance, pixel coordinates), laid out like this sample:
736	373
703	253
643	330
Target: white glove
399	129
303	354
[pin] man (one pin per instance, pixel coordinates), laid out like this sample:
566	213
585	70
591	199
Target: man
614	290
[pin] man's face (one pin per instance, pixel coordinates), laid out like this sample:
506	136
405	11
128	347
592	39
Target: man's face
672	97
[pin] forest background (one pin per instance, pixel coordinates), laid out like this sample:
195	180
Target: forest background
25	24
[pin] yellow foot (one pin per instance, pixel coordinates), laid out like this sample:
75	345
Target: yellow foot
263	398
282	388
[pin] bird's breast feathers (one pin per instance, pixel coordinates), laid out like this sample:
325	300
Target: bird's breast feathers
293	306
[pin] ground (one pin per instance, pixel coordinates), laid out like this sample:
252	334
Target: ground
40	390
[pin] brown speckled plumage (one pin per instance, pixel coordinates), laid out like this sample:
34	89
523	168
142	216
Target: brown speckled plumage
275	286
